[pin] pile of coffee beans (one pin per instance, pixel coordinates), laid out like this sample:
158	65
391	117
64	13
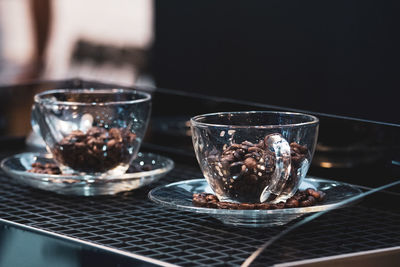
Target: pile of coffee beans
52	168
303	198
97	150
47	168
246	168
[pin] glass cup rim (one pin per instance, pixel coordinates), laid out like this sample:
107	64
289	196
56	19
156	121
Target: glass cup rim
38	98
313	120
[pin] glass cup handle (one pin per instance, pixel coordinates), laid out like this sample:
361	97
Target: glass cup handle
277	144
34	123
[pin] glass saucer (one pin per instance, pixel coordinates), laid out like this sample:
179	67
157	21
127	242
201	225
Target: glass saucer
179	196
69	184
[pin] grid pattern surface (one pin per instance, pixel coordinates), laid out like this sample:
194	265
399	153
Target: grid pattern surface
130	222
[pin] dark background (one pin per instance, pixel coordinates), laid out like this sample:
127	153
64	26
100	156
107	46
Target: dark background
337	57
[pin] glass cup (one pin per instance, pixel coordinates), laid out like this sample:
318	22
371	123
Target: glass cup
92	132
255	156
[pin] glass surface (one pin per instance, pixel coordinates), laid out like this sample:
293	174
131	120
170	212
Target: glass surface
179	196
92	131
254	156
86	185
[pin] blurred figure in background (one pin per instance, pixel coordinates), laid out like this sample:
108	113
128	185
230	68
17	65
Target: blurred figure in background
62	39
41	16
101	40
94	40
25	26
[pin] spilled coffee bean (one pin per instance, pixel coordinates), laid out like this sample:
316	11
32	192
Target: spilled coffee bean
302	198
52	168
47	168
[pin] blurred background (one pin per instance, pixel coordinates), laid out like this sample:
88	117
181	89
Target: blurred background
60	39
337	57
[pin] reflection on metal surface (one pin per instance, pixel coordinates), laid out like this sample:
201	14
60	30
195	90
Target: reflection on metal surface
379	257
325	164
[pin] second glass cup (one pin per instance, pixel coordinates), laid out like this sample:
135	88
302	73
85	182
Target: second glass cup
256	156
92	132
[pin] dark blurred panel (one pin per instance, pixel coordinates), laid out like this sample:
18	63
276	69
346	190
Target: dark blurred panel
21	246
336	57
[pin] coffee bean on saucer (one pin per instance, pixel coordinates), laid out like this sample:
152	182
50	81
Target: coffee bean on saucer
247	206
313	193
200	199
310	200
292	203
48	168
52	168
302	198
37	165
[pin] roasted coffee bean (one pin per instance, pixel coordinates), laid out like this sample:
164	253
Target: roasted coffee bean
239	153
79	145
199	200
280	205
300	196
111	143
254	149
298	148
263	206
49	165
211	197
292	203
308	202
260	144
294	151
247	206
247	143
273	206
236	167
146	167
313	193
227	205
116	134
77	134
91	141
229	158
130	137
250	163
96	131
235	146
244	168
37	164
252	179
249	155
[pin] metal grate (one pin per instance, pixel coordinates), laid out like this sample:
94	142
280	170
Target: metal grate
130	222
